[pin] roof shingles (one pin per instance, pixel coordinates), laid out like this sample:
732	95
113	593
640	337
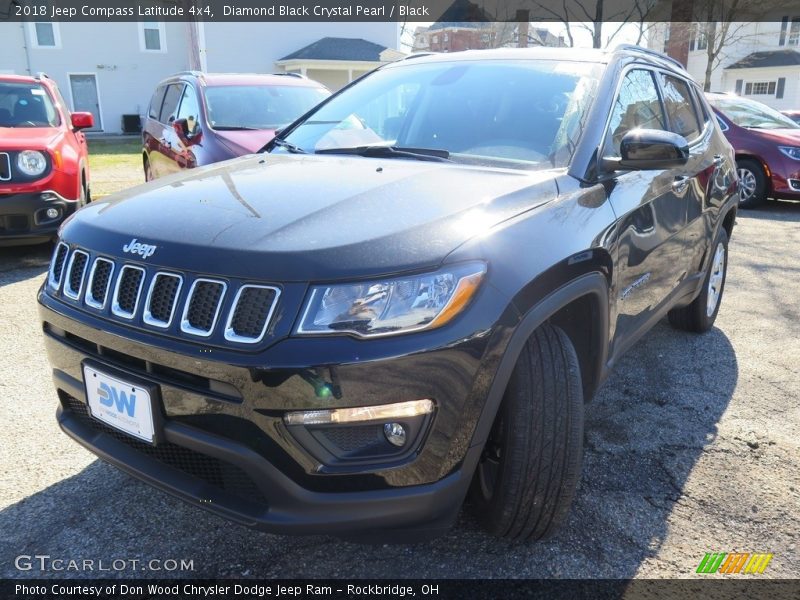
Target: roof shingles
768	58
332	48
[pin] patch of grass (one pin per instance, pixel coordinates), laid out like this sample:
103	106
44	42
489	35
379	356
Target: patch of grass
115	165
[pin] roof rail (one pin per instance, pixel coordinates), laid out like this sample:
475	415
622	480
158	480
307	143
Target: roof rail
418	55
655	53
195	73
291	74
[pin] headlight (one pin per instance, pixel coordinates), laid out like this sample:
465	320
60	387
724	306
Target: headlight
792	152
31	162
391	306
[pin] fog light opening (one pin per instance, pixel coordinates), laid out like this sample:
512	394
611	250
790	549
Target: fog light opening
52	213
395	433
360	414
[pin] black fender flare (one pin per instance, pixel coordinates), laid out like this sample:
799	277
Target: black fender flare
594	283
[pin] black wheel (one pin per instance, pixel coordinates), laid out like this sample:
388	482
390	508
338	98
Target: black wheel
84	198
148	171
531	464
752	183
700	315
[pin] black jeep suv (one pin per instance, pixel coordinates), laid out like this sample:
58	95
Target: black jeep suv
409	296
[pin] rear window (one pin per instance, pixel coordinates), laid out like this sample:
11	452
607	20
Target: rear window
680	107
155	103
171	100
259	106
26	105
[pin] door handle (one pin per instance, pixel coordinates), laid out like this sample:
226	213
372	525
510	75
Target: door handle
680	184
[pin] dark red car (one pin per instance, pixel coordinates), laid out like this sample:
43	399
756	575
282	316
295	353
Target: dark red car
44	166
197	118
767	146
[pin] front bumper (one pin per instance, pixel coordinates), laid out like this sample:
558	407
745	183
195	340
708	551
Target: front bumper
227	449
24	220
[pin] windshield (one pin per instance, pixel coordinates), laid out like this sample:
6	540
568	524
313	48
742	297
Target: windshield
526	113
259	106
747	113
26	105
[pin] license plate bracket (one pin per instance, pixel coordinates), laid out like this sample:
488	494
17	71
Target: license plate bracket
126	403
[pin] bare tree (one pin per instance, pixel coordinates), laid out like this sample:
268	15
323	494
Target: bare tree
719	26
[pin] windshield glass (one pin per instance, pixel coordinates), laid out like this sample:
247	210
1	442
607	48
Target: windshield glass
259	106
26	105
746	113
526	113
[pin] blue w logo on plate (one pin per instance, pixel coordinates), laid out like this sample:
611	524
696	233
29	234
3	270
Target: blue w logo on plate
111	396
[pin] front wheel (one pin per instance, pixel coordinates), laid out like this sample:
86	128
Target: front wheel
148	170
700	315
752	183
531	463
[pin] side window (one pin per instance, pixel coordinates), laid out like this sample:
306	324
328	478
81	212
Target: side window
171	100
722	124
189	108
637	107
189	111
155	102
680	107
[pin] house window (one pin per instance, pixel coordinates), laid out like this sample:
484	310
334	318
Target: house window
436	39
152	37
45	35
794	33
760	88
699	40
446	37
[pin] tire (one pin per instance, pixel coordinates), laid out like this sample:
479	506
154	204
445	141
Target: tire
530	467
699	316
752	183
148	171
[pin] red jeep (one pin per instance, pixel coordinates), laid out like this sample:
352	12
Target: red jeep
44	166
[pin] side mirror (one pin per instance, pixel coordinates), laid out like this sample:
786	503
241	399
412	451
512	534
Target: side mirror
644	149
187	130
82	120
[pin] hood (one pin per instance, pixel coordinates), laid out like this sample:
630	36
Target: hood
306	217
780	136
245	142
28	138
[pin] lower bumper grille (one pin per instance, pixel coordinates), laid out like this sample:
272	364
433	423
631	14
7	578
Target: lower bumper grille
222	475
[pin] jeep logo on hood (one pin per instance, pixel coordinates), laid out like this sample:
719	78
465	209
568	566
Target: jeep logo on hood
135	247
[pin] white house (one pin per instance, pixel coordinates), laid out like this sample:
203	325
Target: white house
761	61
111	69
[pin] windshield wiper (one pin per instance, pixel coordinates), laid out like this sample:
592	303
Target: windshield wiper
284	144
432	154
235	128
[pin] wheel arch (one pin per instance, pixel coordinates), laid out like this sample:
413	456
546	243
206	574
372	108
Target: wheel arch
589	290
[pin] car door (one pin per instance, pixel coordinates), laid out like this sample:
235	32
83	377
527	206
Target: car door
187	129
650	215
151	132
168	144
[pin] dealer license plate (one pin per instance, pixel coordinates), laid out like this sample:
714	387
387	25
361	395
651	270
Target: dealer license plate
121	404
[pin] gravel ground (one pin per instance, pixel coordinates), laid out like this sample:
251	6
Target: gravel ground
692	447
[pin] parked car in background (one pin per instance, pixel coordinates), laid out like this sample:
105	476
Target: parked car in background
794	115
196	119
44	167
767	146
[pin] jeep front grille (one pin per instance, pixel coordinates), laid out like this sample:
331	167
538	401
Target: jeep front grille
76	271
99	283
151	298
161	299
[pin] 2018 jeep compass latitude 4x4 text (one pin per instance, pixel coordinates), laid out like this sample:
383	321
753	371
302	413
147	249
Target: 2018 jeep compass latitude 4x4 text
409	297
